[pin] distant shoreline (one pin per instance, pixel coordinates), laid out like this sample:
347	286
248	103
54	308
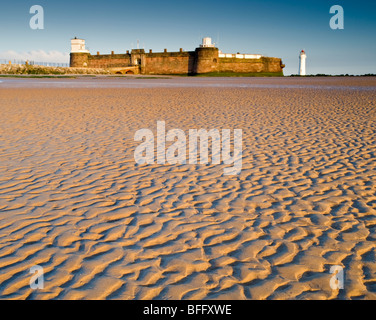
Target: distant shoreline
331	75
30	71
75	76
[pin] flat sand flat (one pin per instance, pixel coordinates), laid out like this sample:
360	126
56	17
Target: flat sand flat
73	200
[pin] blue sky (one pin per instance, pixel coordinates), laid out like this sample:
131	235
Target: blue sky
273	28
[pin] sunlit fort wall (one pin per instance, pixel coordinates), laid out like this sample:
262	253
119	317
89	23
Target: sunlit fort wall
205	59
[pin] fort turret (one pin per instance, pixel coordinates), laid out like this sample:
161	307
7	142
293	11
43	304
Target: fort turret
206	57
79	57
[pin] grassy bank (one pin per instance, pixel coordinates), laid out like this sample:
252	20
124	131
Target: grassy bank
30	70
238	74
35	76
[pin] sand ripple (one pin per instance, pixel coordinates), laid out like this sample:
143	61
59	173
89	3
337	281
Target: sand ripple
73	200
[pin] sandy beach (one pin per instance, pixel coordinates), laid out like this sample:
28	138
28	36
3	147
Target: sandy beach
74	201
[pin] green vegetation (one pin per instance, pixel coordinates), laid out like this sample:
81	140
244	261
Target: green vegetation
42	71
37	70
152	78
127	76
331	75
35	76
241	74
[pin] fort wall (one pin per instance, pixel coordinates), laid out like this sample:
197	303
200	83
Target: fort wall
170	63
201	61
109	61
264	64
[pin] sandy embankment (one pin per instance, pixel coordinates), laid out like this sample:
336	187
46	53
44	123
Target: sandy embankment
73	200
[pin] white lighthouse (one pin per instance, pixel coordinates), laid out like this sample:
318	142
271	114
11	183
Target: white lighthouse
302	63
78	46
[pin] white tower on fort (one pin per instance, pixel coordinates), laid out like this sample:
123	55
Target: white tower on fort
78	46
302	63
207	43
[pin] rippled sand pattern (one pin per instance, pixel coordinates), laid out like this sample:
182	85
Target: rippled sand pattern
73	200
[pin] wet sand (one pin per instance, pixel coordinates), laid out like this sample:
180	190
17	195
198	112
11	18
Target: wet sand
73	200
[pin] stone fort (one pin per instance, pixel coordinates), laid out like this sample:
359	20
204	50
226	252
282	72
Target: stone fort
206	59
